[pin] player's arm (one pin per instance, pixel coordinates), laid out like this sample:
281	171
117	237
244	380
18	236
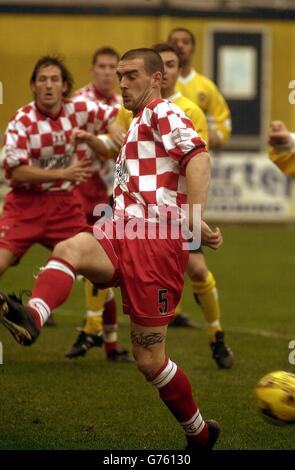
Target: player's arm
282	147
107	145
78	171
218	116
96	144
17	162
198	175
94	120
184	145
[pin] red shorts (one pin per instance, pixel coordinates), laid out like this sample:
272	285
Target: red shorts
46	218
150	274
90	193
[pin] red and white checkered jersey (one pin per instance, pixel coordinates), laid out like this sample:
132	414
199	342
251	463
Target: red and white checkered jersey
91	93
150	169
45	141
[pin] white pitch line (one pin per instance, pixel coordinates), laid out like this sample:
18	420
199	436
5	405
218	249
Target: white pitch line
230	329
251	331
255	332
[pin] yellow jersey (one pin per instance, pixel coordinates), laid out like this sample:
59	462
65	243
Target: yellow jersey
193	111
202	91
284	159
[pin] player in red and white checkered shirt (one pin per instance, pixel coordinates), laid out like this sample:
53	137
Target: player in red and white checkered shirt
162	160
41	164
101	311
150	168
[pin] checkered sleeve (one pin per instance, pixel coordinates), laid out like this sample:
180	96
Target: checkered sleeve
16	146
179	137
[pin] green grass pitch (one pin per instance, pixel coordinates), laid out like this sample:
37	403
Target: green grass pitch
50	402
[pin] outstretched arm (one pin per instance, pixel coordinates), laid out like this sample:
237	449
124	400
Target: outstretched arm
78	171
94	142
198	182
282	147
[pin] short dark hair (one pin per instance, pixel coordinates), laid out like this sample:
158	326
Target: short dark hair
105	51
152	60
166	47
57	61
187	31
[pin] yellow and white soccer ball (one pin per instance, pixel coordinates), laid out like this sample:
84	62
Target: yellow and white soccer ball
275	397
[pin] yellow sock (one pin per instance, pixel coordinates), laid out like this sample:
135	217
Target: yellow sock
93	323
95	299
207	297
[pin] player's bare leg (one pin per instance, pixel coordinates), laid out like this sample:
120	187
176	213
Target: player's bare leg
175	390
82	254
206	295
6	259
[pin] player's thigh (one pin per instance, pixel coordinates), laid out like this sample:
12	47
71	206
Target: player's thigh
196	267
7	258
148	346
87	256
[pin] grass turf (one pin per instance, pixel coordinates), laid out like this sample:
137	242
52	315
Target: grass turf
50	402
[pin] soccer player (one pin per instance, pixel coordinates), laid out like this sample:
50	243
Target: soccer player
41	164
101	313
161	160
201	90
282	147
202	281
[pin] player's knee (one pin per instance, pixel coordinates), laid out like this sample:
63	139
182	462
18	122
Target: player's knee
147	363
6	259
3	266
197	272
67	250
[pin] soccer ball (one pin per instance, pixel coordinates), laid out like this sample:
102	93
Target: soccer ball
275	397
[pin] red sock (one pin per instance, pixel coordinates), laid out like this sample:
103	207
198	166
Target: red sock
110	312
52	288
176	392
110	346
110	325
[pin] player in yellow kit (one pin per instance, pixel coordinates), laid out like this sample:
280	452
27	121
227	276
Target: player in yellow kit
201	90
203	283
282	147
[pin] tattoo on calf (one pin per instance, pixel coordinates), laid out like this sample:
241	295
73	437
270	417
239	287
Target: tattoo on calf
146	340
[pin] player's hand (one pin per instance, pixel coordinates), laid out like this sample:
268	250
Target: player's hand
210	238
80	136
117	133
79	171
279	136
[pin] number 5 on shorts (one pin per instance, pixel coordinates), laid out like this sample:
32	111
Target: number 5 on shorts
162	300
